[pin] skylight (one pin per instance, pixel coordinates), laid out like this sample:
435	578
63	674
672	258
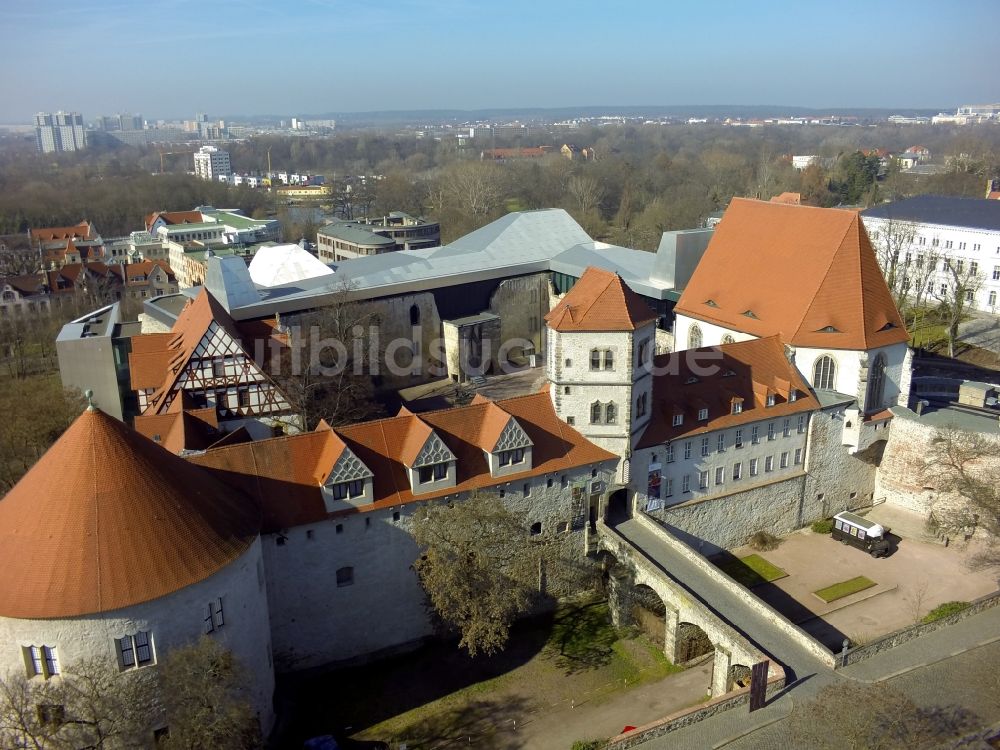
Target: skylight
750	314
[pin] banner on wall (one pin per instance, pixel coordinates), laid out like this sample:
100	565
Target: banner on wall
653	485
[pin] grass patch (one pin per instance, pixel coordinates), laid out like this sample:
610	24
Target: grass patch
751	570
844	588
944	610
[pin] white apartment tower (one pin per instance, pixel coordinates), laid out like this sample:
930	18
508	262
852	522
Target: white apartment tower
62	131
211	164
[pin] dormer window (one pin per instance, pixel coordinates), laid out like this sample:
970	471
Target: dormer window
678	420
793	395
516	456
828	329
711	303
749	314
347	490
702	415
737	407
770	399
432	473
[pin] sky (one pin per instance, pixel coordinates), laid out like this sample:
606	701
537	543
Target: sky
173	58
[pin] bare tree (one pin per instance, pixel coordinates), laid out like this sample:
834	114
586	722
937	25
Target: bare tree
91	707
586	193
955	294
892	240
964	469
326	372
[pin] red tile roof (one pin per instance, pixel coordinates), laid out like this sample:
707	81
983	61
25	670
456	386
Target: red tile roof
746	371
600	301
49	234
807	274
174	217
107	519
792	199
286	473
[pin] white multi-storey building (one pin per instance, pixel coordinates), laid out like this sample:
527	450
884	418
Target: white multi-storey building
962	234
212	164
62	131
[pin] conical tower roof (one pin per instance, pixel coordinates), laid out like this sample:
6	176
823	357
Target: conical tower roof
107	519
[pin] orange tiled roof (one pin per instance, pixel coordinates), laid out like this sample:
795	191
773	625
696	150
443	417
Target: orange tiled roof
807	274
181	427
600	301
107	519
792	199
746	371
49	234
286	472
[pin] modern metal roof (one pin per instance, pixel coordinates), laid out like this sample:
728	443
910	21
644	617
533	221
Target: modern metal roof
519	243
968	213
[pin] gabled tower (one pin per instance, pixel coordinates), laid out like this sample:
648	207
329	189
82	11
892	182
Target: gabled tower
601	338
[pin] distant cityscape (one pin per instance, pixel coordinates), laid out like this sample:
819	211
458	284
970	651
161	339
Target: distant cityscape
69	131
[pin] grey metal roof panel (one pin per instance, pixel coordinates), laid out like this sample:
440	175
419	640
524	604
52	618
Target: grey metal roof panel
969	213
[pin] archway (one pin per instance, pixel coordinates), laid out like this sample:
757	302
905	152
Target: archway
617	506
649	614
739	677
692	642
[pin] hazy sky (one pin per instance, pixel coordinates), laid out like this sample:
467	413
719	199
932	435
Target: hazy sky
172	58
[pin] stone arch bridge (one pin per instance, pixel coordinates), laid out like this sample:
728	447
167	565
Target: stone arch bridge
642	593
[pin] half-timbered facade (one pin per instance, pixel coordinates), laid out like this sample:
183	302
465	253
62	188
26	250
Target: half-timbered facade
210	359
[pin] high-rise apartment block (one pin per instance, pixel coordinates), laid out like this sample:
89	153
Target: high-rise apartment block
210	163
62	131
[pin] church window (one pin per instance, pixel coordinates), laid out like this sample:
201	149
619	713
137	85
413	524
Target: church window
609	359
824	373
595	412
694	336
610	413
876	382
595	359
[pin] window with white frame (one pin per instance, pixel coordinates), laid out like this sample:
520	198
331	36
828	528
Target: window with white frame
784	460
801	426
41	661
786	428
738	470
704	446
770	430
754	434
992	299
702	414
768	463
737	407
770	399
702	480
685	483
720	442
678	420
738	438
134	650
753	467
687	450
720	474
432	473
798	456
668	490
213	615
973	268
670	453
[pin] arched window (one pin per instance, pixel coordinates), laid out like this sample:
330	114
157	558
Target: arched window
727	339
609	360
610	413
824	373
414	315
694	336
595	412
876	383
595	359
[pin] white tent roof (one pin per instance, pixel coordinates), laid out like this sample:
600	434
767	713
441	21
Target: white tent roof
285	264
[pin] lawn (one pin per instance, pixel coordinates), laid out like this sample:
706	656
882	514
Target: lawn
751	570
438	694
844	588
